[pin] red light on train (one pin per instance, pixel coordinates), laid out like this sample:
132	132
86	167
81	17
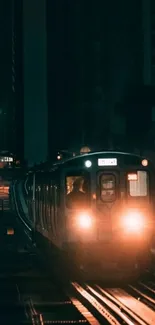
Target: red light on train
10	231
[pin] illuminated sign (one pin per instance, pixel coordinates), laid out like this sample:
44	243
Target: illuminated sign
107	162
132	177
6	159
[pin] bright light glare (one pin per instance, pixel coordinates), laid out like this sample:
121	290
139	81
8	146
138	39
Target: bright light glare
145	162
134	221
132	177
84	221
88	163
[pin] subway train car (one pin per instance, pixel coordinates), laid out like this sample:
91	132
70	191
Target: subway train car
94	211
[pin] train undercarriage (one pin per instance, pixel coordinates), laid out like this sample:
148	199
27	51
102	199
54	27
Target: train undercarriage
110	260
104	262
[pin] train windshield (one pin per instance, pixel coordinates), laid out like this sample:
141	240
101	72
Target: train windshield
77	190
107	187
138	184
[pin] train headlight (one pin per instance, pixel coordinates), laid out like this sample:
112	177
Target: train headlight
88	163
84	221
134	222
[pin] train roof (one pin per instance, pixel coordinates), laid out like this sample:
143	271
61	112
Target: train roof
129	158
98	153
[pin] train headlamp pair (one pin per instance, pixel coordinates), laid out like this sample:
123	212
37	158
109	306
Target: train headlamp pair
132	221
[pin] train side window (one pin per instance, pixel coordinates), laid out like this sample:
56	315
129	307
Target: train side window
107	184
45	207
139	187
48	205
42	204
56	188
77	190
51	201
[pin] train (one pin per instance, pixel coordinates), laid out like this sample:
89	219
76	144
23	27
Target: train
95	211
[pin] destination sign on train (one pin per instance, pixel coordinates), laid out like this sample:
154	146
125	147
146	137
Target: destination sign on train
107	162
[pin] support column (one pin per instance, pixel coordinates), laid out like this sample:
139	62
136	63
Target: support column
35	81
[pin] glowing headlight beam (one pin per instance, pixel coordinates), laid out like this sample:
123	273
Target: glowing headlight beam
134	222
84	221
88	163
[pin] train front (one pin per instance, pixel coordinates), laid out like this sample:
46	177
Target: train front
110	212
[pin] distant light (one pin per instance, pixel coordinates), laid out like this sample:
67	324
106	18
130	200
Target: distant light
144	162
94	196
10	231
84	150
6	159
58	157
88	163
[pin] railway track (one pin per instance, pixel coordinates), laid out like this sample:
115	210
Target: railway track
46	303
36	299
144	293
32	298
39	301
86	304
116	305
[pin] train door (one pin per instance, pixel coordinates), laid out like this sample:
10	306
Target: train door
108	202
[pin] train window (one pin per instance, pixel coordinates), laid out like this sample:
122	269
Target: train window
139	187
107	187
77	191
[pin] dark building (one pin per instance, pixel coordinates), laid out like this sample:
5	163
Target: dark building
94	66
35	81
11	82
17	80
97	58
148	16
141	98
94	56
